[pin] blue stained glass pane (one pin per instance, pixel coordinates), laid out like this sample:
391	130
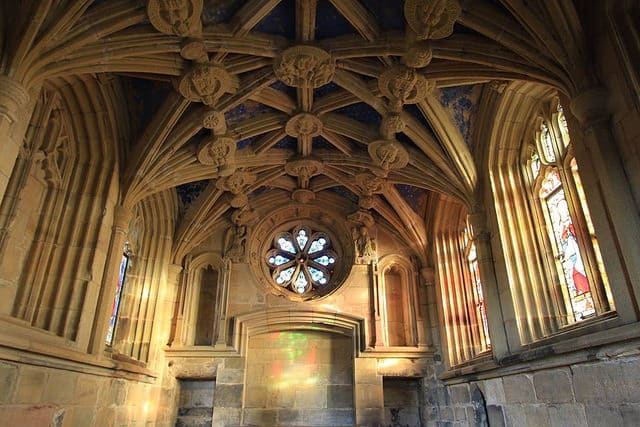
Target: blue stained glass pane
301	283
116	301
286	245
325	260
302	238
317	275
278	260
285	275
318	245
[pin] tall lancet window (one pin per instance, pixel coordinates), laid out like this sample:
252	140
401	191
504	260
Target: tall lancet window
476	296
122	275
581	287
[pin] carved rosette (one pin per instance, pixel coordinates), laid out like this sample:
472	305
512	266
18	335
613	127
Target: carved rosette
206	83
419	55
390	125
369	184
220	153
176	17
214	120
432	19
303	125
304	66
388	154
237	182
403	85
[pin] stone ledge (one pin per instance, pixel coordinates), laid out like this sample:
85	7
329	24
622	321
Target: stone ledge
601	345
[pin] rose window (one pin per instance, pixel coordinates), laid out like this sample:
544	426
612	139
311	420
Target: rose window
301	260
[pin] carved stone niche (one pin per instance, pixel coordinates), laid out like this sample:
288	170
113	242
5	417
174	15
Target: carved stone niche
304	66
219	152
237	182
403	85
207	82
176	17
303	124
388	154
432	19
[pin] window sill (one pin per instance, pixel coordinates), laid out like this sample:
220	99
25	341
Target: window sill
21	343
600	340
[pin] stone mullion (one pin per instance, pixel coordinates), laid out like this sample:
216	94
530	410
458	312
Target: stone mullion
489	283
546	313
450	253
221	325
521	296
122	216
442	261
613	212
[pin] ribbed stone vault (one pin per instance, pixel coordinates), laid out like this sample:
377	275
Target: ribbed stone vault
242	104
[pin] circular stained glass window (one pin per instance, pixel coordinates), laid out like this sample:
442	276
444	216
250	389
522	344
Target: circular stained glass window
301	260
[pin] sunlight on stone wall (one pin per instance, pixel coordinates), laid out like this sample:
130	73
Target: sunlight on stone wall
299	378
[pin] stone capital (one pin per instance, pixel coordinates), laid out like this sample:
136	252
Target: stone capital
13	98
591	105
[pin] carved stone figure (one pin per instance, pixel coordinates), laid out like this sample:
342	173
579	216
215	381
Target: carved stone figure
303	124
388	154
206	83
403	85
220	153
364	244
432	19
178	17
304	66
236	243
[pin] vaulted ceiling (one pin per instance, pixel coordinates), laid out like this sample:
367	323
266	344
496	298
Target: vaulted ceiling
239	103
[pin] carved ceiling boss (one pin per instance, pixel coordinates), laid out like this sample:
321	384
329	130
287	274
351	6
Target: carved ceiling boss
178	17
304	66
431	19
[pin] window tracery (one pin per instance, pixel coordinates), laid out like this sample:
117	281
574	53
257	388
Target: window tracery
301	260
561	207
115	308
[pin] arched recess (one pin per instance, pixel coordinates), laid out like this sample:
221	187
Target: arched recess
532	264
201	299
52	216
145	309
398	283
459	290
265	321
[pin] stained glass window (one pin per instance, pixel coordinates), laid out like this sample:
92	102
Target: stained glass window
583	287
567	252
122	275
301	260
547	144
